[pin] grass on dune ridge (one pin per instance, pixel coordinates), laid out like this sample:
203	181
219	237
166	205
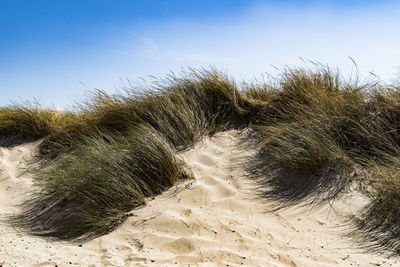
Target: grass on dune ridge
30	121
78	193
182	108
91	191
317	135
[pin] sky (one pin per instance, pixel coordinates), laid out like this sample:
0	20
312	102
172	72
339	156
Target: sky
55	52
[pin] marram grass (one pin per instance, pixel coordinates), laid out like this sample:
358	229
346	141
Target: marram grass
30	121
183	109
90	191
317	135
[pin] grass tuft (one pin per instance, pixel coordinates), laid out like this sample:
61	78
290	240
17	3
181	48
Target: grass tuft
298	162
90	191
319	135
379	220
31	121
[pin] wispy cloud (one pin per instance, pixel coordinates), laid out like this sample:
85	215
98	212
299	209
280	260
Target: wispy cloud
267	36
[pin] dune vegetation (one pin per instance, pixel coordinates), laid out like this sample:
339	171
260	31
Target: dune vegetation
317	135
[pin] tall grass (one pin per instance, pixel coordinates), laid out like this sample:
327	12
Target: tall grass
379	220
122	150
317	135
32	121
90	191
183	109
298	162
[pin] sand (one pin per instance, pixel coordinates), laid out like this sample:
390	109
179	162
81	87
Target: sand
214	220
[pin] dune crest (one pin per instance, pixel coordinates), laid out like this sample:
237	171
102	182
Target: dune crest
210	221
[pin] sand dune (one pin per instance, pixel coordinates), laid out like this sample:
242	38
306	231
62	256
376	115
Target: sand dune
211	221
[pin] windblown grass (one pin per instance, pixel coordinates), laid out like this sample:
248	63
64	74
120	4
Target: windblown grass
91	191
302	127
183	109
31	121
317	135
379	220
122	150
300	162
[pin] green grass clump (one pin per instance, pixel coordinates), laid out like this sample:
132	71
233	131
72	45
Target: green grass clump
90	191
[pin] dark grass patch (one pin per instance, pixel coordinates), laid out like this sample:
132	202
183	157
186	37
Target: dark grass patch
298	163
379	220
91	191
319	136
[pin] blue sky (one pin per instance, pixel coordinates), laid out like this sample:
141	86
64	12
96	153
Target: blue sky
55	51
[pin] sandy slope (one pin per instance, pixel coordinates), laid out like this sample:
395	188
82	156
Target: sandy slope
212	221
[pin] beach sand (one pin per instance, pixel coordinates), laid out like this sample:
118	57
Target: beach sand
214	220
